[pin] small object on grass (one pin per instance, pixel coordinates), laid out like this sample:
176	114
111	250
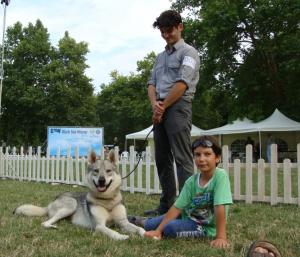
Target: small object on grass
262	248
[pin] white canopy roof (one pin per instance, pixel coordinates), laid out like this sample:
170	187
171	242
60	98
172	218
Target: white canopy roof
276	122
238	126
143	133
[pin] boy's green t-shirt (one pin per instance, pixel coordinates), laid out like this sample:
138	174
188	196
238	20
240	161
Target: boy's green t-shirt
197	203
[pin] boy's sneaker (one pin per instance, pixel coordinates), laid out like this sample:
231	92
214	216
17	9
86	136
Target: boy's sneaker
137	220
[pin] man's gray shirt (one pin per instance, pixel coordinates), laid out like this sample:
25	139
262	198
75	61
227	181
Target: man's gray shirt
181	63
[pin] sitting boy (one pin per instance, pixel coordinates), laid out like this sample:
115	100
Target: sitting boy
202	207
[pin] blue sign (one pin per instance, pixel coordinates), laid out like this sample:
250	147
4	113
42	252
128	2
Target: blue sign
64	138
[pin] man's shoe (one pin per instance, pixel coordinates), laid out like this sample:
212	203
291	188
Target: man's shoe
136	220
156	212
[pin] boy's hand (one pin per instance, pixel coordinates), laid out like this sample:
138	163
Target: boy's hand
219	243
155	234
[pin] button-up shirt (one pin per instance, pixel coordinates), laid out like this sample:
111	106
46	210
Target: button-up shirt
180	63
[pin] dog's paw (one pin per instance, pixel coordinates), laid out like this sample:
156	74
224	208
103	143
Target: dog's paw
47	225
121	237
141	232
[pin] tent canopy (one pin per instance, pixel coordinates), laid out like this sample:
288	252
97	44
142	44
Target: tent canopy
141	135
238	126
276	122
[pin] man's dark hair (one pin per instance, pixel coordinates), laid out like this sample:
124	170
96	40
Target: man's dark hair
168	19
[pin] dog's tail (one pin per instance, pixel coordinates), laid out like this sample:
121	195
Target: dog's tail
30	210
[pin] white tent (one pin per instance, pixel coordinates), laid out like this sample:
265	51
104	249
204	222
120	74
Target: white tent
141	135
238	126
276	122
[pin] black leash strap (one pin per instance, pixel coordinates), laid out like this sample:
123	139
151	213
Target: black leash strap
140	156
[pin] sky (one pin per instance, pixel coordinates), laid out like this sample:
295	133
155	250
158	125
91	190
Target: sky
118	32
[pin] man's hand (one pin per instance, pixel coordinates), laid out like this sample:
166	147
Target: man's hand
155	234
158	112
219	243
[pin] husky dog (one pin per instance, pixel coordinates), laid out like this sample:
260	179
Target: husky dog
93	209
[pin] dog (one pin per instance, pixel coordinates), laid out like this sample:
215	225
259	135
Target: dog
94	209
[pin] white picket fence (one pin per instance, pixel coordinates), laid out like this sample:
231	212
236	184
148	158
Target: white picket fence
251	182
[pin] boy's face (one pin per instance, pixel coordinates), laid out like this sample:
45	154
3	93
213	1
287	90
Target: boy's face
205	159
171	35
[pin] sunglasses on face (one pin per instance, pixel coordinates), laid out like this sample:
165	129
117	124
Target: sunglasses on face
202	142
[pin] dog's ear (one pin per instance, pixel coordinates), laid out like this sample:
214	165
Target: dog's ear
112	156
92	157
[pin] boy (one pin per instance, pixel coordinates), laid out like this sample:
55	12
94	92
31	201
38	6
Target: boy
202	207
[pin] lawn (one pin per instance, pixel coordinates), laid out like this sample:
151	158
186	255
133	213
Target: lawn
23	236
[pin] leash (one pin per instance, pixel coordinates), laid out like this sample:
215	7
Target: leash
140	156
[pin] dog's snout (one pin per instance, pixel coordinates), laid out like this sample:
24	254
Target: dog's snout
101	181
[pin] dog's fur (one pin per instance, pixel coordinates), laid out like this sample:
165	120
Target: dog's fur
94	209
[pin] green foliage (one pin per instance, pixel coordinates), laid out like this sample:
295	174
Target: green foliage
123	105
43	85
249	54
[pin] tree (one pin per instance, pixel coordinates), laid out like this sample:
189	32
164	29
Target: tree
70	99
122	105
249	53
43	85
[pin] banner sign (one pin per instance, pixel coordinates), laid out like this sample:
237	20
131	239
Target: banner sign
64	138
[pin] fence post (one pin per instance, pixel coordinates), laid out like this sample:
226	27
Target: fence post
30	163
148	169
249	177
57	159
38	172
70	175
48	165
298	168
274	179
140	174
13	166
131	165
77	165
1	162
124	163
225	158
43	168
287	183
117	157
21	163
237	179
261	179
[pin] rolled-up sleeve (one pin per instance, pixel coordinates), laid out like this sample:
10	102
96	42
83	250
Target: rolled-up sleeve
189	69
152	78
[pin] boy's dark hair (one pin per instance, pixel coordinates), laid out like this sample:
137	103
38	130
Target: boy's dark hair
168	19
207	141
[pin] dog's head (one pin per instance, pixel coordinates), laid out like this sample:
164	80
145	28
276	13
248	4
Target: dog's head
102	176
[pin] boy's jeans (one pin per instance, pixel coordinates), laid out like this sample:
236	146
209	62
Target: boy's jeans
176	228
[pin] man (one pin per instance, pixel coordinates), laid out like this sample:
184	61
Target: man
171	89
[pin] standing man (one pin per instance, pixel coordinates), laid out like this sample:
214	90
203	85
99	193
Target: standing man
171	89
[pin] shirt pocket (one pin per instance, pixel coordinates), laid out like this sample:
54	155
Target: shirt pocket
174	70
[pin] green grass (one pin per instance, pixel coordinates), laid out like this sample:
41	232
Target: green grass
23	236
